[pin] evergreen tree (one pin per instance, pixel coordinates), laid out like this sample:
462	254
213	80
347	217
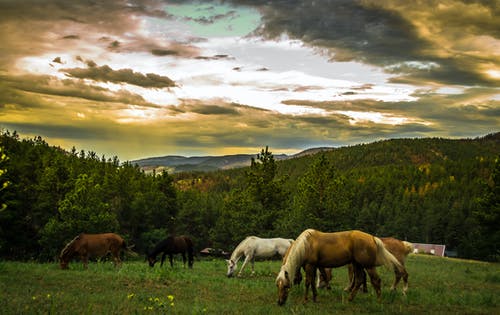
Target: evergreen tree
81	210
488	217
266	190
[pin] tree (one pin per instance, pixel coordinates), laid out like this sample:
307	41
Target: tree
488	217
320	201
81	210
266	190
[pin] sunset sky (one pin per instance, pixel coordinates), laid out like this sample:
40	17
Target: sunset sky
144	78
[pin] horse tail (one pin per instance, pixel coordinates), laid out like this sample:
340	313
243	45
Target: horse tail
384	257
295	256
408	247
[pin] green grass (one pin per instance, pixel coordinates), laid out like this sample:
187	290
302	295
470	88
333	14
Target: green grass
437	285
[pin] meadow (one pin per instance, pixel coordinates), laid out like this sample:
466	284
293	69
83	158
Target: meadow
436	286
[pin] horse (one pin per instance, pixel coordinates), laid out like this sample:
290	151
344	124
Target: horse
252	247
315	249
93	245
172	245
400	250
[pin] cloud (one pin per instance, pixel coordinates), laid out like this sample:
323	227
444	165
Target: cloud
128	78
106	74
43	85
460	37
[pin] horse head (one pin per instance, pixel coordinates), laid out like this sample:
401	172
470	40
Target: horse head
151	259
63	263
283	285
231	267
68	252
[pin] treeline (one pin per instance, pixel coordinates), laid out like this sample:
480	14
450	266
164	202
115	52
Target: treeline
420	190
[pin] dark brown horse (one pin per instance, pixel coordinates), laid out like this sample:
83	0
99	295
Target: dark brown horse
172	245
93	245
314	249
400	250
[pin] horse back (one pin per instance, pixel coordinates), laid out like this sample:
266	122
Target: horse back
396	247
341	248
100	244
330	249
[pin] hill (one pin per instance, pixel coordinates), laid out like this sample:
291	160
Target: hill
176	163
393	151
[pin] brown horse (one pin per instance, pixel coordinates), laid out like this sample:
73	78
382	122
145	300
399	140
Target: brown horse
314	249
172	245
400	250
93	245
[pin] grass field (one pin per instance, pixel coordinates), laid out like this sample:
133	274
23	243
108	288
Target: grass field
437	286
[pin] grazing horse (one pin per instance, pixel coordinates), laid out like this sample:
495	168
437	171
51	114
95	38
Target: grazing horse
314	249
172	245
93	245
400	250
252	247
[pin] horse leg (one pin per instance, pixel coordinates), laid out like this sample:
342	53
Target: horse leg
247	258
358	280
171	259
350	273
323	279
163	258
310	282
405	280
184	259
397	277
375	280
116	258
85	260
364	288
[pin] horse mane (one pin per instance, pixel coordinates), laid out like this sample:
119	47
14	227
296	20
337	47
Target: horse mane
293	259
67	250
239	250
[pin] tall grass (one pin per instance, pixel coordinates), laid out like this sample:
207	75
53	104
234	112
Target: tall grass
437	285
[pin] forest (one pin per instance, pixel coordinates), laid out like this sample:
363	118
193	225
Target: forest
423	190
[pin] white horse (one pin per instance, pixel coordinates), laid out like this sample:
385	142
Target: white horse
254	246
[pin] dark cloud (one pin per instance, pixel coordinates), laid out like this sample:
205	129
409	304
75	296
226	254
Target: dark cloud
29	90
206	20
214	57
71	37
106	74
387	33
163	52
211	110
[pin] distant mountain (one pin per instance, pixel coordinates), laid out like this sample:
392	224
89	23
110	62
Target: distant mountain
384	152
176	163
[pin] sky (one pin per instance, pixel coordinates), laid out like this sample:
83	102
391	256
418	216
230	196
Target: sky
145	78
